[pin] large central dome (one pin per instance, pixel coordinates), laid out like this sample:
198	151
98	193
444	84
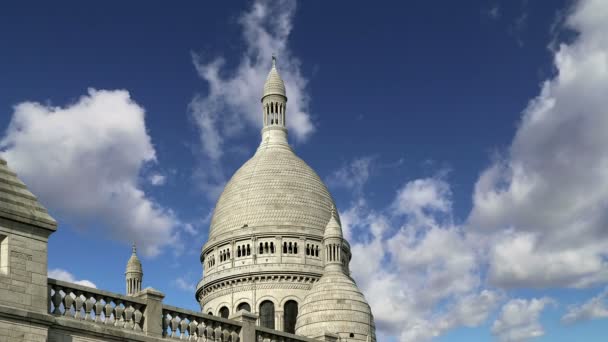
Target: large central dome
273	188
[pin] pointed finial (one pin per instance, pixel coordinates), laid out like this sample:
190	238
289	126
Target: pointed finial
134	248
333	211
274	61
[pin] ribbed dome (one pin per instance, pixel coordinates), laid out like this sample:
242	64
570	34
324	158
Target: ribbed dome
134	265
336	305
274	83
273	188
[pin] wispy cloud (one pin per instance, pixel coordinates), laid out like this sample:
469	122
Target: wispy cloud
519	319
232	101
594	308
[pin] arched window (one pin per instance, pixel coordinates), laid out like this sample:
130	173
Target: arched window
285	247
261	251
307	249
295	248
210	313
224	312
317	251
267	314
238	251
266	247
290	315
244	306
290	248
272	247
248	250
228	254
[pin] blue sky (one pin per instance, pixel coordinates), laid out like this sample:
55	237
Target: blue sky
464	143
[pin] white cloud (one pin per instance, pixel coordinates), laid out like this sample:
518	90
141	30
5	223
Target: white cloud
184	284
233	99
64	275
594	308
84	160
352	175
547	197
157	179
519	319
433	287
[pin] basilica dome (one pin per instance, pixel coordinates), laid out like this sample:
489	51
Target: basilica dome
273	188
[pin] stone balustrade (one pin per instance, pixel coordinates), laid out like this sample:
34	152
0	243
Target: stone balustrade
269	335
143	317
195	326
89	304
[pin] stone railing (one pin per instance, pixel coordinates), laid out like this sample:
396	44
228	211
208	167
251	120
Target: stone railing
269	335
89	304
143	317
195	326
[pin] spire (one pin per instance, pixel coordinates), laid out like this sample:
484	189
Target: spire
274	109
333	228
134	274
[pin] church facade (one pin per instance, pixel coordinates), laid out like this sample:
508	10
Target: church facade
275	265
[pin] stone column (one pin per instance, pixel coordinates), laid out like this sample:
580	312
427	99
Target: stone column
280	248
247	320
153	315
279	320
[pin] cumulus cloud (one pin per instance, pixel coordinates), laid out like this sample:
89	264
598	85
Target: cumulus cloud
594	308
232	102
546	198
64	275
403	252
519	319
84	162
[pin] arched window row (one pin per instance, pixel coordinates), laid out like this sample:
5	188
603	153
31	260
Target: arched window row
266	248
290	248
243	250
225	255
274	113
312	250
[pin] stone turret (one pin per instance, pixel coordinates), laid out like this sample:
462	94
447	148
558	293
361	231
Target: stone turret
134	274
335	305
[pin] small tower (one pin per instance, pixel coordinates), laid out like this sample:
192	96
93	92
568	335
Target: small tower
134	274
274	99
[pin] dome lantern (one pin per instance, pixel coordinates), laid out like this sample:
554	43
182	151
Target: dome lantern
134	273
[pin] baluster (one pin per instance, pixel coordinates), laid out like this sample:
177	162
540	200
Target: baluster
98	309
78	301
210	332
166	322
108	311
68	301
225	334
129	316
183	328
174	324
234	336
88	306
118	314
217	334
56	299
201	332
192	331
137	316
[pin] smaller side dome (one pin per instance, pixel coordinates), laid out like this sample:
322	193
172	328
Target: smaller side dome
274	83
134	265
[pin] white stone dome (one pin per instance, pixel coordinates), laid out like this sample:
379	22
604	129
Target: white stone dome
336	305
274	188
